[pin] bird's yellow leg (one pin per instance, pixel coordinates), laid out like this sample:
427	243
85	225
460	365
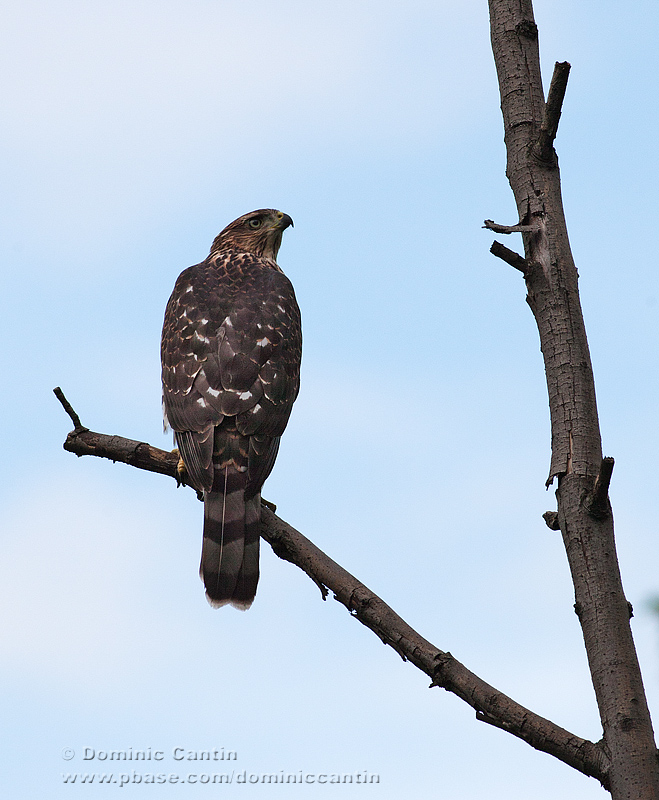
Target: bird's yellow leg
181	471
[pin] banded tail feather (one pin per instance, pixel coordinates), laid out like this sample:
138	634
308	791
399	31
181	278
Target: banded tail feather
230	550
230	556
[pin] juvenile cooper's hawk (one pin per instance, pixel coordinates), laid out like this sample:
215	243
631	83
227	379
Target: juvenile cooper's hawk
231	349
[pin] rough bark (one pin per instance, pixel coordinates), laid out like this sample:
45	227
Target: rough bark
445	671
584	513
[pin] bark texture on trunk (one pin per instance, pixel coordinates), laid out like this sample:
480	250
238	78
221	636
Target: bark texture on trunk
584	513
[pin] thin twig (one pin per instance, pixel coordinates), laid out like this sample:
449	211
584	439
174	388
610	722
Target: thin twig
59	394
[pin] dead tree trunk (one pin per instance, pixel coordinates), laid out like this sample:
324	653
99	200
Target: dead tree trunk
584	512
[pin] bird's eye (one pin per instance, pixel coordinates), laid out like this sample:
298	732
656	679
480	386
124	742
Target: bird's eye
255	223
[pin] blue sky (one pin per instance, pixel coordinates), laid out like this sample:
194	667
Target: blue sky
418	449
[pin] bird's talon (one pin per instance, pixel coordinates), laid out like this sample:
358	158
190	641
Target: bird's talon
181	471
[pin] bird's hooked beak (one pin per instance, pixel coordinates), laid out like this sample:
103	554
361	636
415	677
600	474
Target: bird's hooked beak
282	222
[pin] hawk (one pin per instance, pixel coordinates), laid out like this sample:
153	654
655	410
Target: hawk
231	350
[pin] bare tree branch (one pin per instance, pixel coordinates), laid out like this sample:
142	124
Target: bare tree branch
544	147
551	518
75	419
553	296
520	227
491	706
599	505
509	256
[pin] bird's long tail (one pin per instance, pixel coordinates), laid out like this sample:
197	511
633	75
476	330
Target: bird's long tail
230	551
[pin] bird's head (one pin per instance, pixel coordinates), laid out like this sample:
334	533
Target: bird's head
258	232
